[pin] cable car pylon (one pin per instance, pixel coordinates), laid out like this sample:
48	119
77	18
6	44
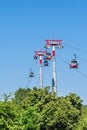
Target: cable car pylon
54	44
40	54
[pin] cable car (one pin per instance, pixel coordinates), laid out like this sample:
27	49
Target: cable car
48	56
31	74
48	53
74	63
46	63
45	58
35	57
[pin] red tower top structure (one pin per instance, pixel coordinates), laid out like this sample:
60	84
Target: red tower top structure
56	43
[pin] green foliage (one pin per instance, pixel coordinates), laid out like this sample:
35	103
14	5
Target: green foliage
21	94
59	115
29	119
75	100
39	109
84	109
82	124
8	116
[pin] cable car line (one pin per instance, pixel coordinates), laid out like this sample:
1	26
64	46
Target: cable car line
82	74
63	60
85	76
69	51
82	59
85	60
75	48
36	82
73	64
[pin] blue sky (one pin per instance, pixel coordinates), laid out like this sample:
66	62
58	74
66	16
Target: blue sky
24	26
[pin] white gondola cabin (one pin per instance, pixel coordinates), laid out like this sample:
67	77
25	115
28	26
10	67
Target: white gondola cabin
73	63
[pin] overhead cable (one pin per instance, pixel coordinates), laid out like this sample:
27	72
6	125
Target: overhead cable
75	48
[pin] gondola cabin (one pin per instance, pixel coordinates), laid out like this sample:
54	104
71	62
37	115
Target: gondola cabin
35	57
73	64
46	63
31	74
48	56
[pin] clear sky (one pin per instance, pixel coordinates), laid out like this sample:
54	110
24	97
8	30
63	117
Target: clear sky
24	26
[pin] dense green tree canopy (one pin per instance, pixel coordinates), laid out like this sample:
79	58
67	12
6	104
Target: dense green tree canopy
36	109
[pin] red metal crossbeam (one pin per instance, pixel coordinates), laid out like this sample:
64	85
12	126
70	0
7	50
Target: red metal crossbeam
53	43
40	53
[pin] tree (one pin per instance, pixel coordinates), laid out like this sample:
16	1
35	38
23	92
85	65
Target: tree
8	116
75	100
29	119
39	109
59	115
21	94
7	97
82	124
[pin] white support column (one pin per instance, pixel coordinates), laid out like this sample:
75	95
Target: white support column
41	73
54	84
